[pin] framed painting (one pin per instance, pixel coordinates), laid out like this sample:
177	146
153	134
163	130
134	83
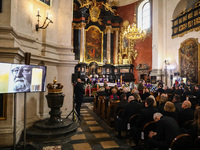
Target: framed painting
0	6
188	60
93	45
3	106
46	2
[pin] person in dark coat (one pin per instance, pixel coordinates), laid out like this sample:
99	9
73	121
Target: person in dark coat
133	107
145	117
147	113
194	129
167	130
186	114
177	102
170	110
123	102
79	92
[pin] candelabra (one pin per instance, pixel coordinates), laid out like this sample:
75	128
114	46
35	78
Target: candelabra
47	21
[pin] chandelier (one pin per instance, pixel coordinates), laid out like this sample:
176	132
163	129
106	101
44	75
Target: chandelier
133	33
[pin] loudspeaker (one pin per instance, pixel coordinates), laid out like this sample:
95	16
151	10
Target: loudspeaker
27	58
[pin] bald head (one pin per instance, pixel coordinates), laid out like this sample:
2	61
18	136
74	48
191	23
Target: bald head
186	104
79	80
130	98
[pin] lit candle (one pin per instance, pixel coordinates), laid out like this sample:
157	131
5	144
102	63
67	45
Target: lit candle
38	11
47	14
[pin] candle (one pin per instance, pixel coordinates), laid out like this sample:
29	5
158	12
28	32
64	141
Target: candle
38	11
47	14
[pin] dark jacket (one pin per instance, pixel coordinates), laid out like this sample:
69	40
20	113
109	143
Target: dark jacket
178	106
146	116
120	106
185	115
79	91
167	129
170	114
130	109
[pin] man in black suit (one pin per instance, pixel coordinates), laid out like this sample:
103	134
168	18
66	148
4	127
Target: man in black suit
177	102
78	91
167	130
147	113
145	117
186	114
133	107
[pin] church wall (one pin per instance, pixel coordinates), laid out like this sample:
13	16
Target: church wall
51	47
144	48
164	47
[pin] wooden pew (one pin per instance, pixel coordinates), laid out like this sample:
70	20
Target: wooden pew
110	111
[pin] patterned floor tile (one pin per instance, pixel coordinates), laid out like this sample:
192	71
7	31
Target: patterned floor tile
109	144
101	135
81	146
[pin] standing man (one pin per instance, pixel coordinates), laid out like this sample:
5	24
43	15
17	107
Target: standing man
78	91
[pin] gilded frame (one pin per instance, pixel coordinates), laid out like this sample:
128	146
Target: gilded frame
198	45
101	32
47	4
4	110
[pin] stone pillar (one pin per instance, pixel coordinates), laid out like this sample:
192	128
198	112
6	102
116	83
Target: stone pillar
108	48
82	44
116	46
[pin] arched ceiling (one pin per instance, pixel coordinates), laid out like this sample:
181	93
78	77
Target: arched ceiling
126	2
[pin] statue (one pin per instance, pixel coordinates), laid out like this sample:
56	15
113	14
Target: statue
120	58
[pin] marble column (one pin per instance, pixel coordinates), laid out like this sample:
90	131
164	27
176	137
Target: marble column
82	44
116	46
108	48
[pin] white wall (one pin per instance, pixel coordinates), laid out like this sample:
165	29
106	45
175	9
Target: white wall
163	46
51	46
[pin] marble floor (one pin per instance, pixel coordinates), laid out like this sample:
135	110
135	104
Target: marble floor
92	134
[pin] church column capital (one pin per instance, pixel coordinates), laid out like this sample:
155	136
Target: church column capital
78	25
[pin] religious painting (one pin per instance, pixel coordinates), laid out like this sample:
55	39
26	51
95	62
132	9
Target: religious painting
188	57
2	106
47	2
94	45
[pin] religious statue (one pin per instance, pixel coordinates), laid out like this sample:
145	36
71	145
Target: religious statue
120	58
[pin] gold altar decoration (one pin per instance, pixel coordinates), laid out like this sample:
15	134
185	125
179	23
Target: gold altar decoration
94	10
128	36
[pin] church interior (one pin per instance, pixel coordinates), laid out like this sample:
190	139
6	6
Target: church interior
134	45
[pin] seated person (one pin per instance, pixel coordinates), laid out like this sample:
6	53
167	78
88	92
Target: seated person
186	114
177	91
133	107
121	104
145	117
167	130
147	112
177	102
161	103
170	110
114	95
194	130
146	94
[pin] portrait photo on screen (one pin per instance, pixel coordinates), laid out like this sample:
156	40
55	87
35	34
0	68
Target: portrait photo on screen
19	78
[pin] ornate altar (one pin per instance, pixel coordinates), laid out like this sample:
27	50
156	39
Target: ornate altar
127	53
103	48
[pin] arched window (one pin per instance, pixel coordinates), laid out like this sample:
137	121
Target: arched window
144	15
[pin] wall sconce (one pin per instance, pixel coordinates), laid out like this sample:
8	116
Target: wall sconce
46	22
